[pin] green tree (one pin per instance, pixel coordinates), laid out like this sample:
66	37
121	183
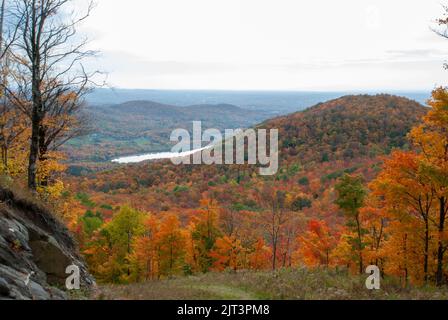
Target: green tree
121	231
206	232
350	198
91	223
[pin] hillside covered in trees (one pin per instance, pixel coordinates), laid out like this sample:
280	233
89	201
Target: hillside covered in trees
362	181
137	127
307	139
348	127
212	218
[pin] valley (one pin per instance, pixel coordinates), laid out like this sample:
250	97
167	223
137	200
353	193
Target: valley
215	150
350	135
137	127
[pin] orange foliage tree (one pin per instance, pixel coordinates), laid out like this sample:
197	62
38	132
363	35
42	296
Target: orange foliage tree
317	244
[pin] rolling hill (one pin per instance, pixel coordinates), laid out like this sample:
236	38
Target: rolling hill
319	144
347	128
143	126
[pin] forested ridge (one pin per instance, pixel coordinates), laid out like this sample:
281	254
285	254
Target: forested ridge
137	127
348	127
212	218
362	180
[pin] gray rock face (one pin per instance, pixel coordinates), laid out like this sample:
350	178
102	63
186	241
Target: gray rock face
4	288
35	250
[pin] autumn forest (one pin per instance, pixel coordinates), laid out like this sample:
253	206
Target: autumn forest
362	178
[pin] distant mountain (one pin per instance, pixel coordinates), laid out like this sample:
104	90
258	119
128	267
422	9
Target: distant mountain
344	128
139	118
274	102
348	127
152	110
317	146
136	127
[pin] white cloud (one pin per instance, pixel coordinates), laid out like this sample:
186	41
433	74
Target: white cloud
269	44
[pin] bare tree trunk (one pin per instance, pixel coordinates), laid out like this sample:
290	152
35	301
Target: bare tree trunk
426	254
43	154
34	151
2	20
441	248
148	269
52	64
424	212
274	256
36	120
406	272
361	263
274	240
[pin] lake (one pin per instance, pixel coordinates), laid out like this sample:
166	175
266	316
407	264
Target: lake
155	156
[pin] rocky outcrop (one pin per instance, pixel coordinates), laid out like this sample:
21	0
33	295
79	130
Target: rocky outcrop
35	250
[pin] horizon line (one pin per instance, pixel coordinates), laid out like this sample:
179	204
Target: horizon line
383	90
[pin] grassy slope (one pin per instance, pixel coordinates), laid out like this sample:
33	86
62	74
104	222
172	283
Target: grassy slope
299	284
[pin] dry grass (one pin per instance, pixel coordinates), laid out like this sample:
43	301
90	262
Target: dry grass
18	190
300	284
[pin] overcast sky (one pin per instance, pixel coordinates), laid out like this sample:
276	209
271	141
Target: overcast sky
269	44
